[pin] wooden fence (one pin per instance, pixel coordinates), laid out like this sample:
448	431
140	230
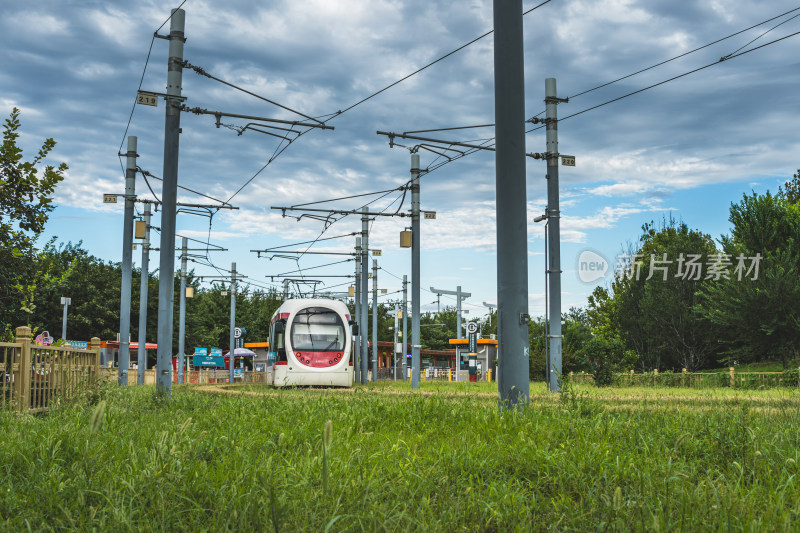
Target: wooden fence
700	380
33	376
192	377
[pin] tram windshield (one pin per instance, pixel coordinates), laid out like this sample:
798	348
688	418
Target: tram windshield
318	329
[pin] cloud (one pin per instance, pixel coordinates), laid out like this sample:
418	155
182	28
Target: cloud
73	68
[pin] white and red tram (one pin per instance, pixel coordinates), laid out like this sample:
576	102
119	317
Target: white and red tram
311	344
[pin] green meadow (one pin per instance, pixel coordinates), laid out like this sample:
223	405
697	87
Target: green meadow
251	458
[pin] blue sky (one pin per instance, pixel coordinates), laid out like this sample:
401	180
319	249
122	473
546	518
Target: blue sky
687	148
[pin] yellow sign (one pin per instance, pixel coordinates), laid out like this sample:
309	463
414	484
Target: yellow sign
147	98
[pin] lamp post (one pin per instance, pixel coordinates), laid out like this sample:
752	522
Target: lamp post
65	302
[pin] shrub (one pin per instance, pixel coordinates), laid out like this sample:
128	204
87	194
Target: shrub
604	357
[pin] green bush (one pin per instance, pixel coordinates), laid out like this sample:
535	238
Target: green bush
791	378
605	357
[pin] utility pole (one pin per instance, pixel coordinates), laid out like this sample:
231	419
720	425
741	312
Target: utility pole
127	259
554	235
512	243
141	358
394	340
374	320
233	321
169	193
460	296
182	312
234	277
357	343
415	274
405	325
65	302
285	289
364	294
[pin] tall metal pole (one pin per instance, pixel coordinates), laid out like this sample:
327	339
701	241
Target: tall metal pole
127	260
285	289
65	302
361	326
512	238
182	313
458	313
233	322
169	193
394	341
374	320
141	358
415	276
405	326
460	295
554	236
364	294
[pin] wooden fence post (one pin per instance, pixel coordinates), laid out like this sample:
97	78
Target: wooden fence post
23	377
94	344
733	379
683	378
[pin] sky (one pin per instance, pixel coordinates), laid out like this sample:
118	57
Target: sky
685	149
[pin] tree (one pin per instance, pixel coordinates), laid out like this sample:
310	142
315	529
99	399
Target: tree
758	315
650	307
576	333
791	189
25	205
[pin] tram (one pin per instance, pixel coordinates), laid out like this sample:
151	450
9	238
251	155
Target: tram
311	344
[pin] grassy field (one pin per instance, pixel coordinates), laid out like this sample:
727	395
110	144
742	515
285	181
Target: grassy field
443	459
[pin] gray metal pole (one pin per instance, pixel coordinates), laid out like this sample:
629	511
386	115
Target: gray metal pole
364	294
394	342
405	326
66	302
182	312
374	320
512	238
460	295
233	322
127	260
458	313
357	342
166	270
415	275
554	236
141	358
285	289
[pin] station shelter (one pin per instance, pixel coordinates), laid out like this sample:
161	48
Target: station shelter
261	357
109	352
486	355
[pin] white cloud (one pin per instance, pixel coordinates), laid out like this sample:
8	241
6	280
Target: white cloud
92	70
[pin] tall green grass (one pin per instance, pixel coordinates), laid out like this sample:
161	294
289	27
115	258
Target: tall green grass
440	461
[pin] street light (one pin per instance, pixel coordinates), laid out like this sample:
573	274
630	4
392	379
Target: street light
65	302
544	218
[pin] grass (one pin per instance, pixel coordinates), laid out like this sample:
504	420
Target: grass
252	458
